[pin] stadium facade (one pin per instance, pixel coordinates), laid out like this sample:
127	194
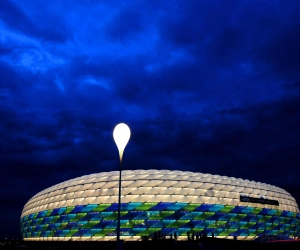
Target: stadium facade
85	208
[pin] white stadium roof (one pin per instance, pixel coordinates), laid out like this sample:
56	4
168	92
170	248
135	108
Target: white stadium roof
157	186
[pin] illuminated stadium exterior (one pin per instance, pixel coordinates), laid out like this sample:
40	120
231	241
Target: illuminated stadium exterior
85	208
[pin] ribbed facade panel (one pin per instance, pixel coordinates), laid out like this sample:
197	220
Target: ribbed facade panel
85	208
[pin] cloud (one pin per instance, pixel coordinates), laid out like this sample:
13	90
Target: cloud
204	86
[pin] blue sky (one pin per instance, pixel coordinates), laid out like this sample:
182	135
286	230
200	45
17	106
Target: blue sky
206	86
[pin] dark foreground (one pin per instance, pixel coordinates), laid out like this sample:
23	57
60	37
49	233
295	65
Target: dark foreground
205	244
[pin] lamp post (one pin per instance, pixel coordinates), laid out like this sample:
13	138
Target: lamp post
121	136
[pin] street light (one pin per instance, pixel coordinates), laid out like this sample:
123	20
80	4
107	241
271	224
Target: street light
121	136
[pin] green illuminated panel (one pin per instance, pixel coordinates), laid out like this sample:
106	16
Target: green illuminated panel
51	233
100	233
101	207
285	220
90	224
145	206
269	226
238	217
134	223
227	209
94	231
126	224
68	210
108	230
251	224
193	230
154	215
147	232
245	226
178	223
265	218
54	219
204	215
39	221
166	223
71	232
48	213
37	234
190	207
114	215
227	232
62	225
164	214
78	217
256	210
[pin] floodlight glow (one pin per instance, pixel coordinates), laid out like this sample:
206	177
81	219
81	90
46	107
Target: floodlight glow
121	136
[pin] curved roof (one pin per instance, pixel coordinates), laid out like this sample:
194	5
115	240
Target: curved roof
157	186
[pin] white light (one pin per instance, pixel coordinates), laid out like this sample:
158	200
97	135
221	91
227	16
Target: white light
121	136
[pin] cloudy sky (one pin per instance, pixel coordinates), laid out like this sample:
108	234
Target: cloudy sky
207	86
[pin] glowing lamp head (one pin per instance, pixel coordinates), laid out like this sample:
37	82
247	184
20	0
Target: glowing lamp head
121	136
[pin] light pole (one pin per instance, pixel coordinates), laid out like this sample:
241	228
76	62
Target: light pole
121	136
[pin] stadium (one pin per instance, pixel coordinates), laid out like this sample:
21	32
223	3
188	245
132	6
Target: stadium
164	201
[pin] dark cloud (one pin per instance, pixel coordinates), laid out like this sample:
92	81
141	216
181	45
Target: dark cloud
208	86
15	18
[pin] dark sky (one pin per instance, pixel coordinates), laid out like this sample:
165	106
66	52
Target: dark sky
207	86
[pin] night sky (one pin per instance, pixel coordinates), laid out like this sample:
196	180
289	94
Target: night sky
206	86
